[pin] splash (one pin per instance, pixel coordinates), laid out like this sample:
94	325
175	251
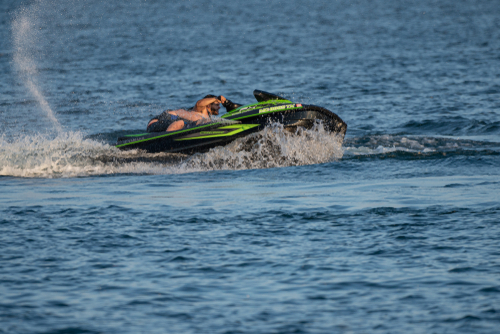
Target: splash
27	34
71	155
273	147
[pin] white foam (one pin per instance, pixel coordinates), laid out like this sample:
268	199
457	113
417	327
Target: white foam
67	155
388	143
70	155
272	147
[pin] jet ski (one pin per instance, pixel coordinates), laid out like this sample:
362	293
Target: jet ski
239	121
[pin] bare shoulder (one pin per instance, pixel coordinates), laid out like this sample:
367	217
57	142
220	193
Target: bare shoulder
177	111
189	115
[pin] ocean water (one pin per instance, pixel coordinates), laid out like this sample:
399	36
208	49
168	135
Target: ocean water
395	230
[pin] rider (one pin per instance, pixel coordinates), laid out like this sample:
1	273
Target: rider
176	119
209	105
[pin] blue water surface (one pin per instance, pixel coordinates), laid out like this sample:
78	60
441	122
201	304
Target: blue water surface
394	231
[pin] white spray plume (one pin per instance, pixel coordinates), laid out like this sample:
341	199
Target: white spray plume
27	33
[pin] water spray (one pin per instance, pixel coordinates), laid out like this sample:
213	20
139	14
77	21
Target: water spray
25	38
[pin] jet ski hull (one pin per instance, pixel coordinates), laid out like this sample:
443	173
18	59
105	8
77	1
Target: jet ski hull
188	141
291	115
251	118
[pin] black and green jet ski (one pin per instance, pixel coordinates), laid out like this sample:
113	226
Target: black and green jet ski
239	121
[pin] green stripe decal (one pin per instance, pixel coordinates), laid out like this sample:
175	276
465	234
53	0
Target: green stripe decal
250	107
165	135
237	129
264	113
138	135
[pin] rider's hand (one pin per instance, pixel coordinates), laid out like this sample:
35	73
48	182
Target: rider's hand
222	99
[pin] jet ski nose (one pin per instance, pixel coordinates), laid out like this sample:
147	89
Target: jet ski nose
262	96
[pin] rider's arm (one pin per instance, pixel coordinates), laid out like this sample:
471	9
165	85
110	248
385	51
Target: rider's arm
190	116
203	104
230	105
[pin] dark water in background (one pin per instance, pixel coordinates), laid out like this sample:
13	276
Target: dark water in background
395	232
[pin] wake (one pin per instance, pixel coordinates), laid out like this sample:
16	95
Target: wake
69	154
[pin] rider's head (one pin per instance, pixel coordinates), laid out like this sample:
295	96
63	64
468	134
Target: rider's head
212	108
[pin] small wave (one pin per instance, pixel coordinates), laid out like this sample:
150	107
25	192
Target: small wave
453	126
383	144
71	155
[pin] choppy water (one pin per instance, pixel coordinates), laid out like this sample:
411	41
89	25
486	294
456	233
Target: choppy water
396	230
